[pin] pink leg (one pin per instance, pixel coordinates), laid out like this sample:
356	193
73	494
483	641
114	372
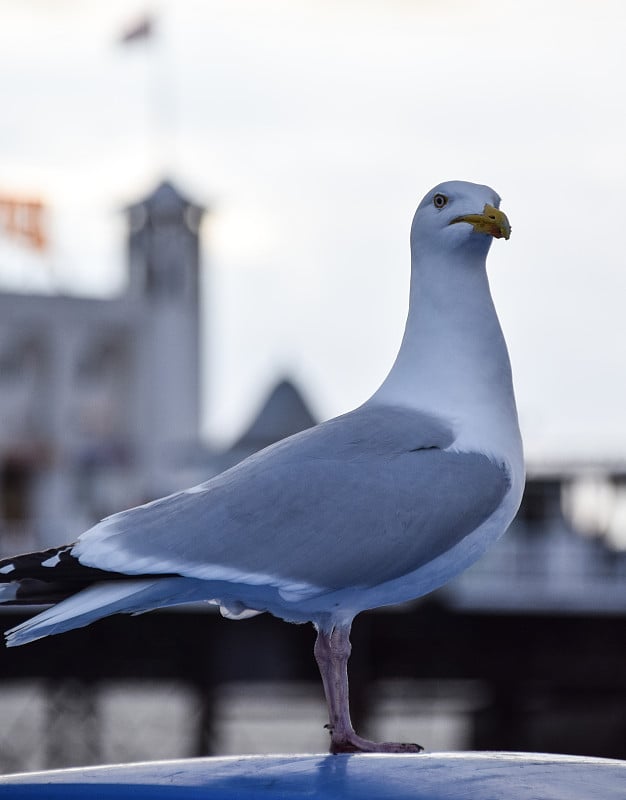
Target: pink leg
332	650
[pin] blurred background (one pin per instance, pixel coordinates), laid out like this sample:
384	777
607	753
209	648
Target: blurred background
204	216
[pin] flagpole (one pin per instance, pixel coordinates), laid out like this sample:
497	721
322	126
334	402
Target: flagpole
160	99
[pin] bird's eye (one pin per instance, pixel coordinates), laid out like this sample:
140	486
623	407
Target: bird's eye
440	200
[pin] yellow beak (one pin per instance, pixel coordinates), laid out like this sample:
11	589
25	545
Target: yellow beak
491	221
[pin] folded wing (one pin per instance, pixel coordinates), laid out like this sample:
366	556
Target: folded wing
359	500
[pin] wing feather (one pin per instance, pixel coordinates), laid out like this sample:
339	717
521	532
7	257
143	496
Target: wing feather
356	501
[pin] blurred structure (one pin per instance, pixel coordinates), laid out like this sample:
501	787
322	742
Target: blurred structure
563	553
97	397
99	410
283	413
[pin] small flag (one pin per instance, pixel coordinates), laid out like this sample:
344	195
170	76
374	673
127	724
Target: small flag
140	30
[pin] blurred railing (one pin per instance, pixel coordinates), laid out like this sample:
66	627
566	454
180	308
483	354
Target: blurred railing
557	571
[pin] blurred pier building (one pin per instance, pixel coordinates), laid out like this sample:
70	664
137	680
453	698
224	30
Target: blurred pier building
98	396
100	410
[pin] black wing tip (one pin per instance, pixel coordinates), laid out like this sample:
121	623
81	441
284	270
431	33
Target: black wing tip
47	576
41	564
52	567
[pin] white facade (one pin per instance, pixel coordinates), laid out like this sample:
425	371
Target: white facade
97	395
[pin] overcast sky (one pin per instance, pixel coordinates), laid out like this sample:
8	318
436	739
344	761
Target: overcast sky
312	129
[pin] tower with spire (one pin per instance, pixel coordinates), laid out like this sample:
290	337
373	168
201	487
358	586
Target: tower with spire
164	289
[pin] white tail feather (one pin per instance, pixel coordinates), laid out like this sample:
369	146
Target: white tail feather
91	604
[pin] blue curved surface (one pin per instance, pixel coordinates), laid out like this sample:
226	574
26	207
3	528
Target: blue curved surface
436	776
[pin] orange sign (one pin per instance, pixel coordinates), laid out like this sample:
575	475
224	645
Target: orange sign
23	219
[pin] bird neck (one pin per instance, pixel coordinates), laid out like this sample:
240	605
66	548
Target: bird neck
453	361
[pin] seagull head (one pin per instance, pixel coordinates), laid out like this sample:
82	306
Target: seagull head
458	214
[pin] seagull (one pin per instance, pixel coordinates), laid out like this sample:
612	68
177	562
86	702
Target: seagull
376	507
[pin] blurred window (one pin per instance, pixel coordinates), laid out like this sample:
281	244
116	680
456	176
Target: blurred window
15	485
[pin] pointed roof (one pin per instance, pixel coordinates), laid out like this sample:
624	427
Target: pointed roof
283	413
164	204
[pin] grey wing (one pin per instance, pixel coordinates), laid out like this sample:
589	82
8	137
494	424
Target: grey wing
359	500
